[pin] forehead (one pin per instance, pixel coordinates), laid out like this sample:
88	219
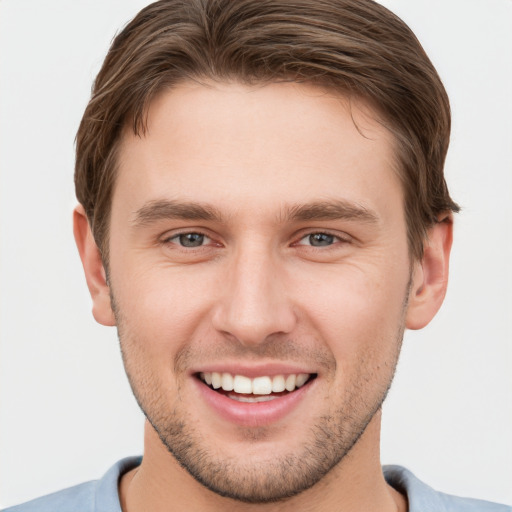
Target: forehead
257	146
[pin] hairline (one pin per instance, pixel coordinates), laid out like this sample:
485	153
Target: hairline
139	129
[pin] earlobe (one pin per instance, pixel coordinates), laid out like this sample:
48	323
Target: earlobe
93	268
430	275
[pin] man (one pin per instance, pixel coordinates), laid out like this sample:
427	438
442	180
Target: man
263	212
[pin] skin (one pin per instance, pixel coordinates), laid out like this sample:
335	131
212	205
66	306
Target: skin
256	293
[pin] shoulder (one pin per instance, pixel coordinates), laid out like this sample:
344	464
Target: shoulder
94	496
423	498
80	497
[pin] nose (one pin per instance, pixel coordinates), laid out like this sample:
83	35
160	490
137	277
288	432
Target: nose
254	302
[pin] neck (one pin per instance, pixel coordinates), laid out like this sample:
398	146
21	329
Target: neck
356	484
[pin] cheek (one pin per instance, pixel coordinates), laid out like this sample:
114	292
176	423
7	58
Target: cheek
161	307
356	309
362	326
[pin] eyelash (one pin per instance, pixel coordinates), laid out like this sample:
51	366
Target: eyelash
337	239
168	240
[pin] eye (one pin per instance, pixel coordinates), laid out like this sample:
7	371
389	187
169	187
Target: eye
319	240
190	240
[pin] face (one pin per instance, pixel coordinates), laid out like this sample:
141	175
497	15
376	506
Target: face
259	272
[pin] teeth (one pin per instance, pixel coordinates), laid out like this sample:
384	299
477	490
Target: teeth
242	384
290	382
227	382
301	379
278	384
262	386
216	380
252	399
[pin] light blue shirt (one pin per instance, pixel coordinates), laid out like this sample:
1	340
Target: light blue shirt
102	495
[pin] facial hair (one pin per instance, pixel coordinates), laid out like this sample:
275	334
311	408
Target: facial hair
330	438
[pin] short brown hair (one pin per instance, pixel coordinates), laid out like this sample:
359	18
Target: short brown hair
355	47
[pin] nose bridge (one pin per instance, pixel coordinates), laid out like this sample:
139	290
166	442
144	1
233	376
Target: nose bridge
254	304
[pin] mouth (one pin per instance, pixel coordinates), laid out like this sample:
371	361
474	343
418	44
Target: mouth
254	390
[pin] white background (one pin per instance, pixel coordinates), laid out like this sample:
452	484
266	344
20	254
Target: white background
66	410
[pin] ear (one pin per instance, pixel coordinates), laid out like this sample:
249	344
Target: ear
95	274
430	275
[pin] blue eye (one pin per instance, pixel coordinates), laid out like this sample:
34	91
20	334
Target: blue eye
190	240
319	239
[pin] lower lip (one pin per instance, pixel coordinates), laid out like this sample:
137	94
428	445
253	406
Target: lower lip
255	414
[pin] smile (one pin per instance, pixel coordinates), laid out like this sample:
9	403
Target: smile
258	389
256	399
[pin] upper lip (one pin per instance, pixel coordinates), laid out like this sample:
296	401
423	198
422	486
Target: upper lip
253	370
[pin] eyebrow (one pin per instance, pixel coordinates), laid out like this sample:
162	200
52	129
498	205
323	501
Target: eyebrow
155	211
337	209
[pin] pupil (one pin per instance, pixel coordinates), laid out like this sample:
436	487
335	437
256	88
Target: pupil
191	240
321	239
